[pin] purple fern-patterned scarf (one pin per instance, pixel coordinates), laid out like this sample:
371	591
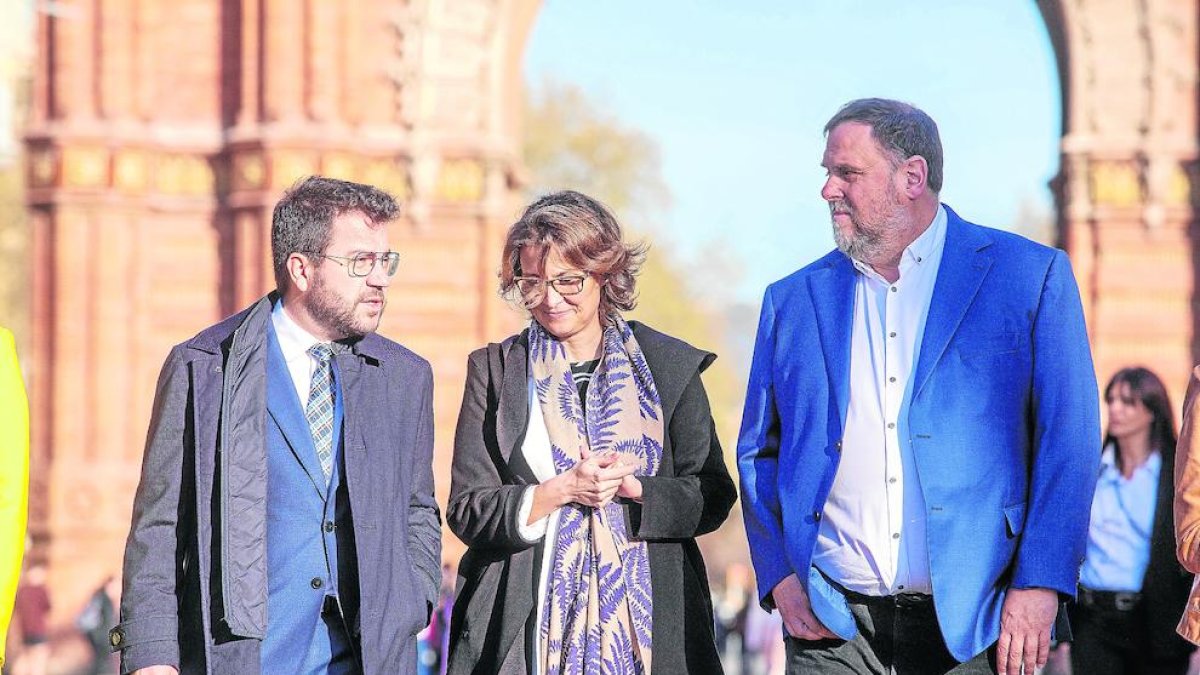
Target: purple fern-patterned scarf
598	610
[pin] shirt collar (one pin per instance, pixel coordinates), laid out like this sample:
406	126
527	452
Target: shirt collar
1108	463
294	341
929	244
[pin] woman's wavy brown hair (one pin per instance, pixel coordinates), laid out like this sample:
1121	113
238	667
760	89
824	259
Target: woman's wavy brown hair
585	233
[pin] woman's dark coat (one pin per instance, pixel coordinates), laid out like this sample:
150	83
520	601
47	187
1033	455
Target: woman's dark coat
690	496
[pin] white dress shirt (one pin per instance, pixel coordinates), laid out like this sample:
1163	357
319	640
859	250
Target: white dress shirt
872	535
295	342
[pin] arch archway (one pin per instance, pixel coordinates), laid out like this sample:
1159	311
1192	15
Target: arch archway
154	156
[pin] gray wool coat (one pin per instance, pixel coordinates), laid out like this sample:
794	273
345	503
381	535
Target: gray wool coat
691	495
195	578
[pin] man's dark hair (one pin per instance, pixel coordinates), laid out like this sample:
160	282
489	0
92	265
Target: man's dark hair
304	216
901	129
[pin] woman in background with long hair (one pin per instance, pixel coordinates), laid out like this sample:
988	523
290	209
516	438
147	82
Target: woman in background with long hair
1131	588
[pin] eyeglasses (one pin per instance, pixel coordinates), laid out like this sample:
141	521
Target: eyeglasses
533	288
361	264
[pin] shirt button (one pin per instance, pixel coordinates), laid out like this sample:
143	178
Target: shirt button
896	535
891	379
317	583
893	334
894	289
329	526
892	479
891	425
901	586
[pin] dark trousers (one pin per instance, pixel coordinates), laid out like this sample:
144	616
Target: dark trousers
1110	641
897	635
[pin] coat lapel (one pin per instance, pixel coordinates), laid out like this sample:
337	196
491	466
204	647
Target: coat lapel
832	292
283	405
965	264
512	406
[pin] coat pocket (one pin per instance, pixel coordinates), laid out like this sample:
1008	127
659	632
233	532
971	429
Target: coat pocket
1014	517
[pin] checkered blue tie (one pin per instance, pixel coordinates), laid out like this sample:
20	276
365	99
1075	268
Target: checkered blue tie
319	410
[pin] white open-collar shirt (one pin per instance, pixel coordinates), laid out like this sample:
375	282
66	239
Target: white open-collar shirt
872	536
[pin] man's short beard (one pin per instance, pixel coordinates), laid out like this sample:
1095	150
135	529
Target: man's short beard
328	310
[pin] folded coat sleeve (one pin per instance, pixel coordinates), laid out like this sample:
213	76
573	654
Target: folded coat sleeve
696	499
1066	434
758	462
483	510
14	477
148	634
424	519
1187	480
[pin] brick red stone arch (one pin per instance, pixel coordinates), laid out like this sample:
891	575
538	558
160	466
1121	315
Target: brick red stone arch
162	132
1126	191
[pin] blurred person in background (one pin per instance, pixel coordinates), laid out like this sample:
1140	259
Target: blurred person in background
14	477
586	463
763	650
95	620
32	612
730	600
1131	589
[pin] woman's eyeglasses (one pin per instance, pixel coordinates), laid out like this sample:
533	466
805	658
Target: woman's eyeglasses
533	288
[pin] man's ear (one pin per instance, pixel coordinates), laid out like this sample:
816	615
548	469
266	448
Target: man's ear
915	171
300	269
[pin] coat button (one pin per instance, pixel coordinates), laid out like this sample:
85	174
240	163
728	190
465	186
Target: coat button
316	582
116	637
329	526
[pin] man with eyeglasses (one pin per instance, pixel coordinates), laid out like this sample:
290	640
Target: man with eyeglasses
285	521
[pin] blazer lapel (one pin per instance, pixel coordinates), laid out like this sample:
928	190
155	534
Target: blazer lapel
283	405
832	292
964	265
512	405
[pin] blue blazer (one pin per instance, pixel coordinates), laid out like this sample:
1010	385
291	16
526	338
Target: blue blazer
302	552
1003	422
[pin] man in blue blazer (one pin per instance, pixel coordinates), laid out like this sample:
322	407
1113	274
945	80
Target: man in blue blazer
919	445
285	521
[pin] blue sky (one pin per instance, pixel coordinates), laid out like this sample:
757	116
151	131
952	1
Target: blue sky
736	95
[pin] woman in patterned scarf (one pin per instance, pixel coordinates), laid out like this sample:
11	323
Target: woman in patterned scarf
585	464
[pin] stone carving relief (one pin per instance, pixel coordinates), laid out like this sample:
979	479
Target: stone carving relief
408	23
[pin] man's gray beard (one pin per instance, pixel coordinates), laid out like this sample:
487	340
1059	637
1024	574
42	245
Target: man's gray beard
858	247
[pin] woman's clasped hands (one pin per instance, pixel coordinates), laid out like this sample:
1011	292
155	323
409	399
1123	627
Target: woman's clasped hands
598	478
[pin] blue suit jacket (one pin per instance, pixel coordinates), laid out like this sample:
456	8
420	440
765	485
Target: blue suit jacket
1003	422
300	549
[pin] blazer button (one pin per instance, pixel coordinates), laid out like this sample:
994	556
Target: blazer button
316	582
817	516
838	445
